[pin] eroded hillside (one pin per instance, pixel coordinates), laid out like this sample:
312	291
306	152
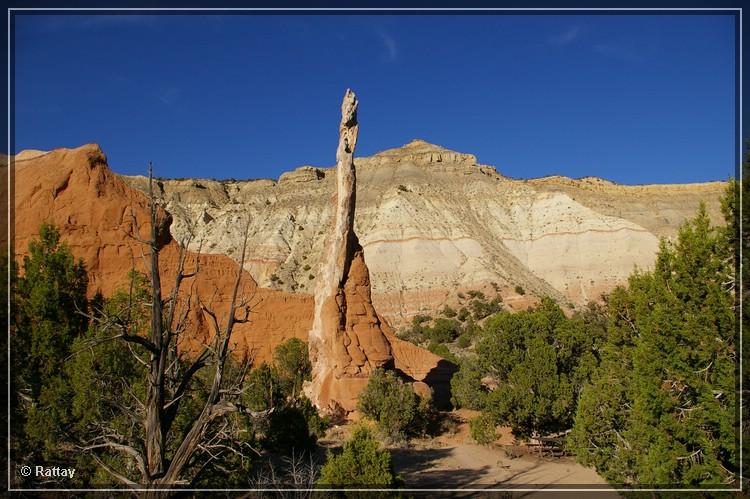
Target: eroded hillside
434	221
97	214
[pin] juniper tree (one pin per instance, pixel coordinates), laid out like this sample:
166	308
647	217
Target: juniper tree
48	300
661	408
537	362
362	463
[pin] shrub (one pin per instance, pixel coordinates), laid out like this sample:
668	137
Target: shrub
419	319
389	402
483	309
295	424
426	419
361	463
261	389
295	427
482	429
415	334
463	314
520	290
443	351
291	364
476	294
448	312
316	424
288	432
471	329
466	385
464	340
444	330
306	267
541	360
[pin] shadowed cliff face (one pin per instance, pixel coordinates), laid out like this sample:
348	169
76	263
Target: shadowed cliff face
433	221
95	209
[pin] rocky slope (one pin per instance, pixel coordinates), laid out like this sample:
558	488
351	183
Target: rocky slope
94	210
433	222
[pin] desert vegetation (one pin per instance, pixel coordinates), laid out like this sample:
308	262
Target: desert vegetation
362	462
102	383
643	387
451	332
72	381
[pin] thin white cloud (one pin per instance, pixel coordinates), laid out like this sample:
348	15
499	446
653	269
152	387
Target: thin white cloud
170	96
390	46
567	36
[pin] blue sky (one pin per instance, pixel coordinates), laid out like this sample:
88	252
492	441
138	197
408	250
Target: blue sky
632	98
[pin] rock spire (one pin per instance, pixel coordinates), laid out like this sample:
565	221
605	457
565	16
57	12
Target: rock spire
347	340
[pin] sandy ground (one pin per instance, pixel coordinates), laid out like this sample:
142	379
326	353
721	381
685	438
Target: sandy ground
469	465
453	461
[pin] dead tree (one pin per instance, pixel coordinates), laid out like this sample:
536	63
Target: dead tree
169	373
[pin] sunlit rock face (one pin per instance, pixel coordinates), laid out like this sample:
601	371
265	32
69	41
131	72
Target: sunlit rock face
94	210
346	340
432	222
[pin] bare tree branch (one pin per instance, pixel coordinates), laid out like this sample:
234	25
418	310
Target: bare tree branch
112	472
125	449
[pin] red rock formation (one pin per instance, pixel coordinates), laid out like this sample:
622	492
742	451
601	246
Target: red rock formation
93	209
346	341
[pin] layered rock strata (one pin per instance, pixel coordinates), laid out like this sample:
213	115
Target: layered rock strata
433	222
94	210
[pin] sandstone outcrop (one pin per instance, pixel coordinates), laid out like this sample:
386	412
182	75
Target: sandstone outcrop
433	222
346	340
94	209
421	153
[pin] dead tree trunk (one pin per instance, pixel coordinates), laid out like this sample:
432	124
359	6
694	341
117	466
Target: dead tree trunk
168	376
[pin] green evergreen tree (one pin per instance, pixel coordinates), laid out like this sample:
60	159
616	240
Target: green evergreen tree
660	409
732	213
390	402
291	363
106	381
362	463
466	385
539	360
50	305
263	390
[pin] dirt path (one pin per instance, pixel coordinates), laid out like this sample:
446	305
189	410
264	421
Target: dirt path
475	466
454	461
